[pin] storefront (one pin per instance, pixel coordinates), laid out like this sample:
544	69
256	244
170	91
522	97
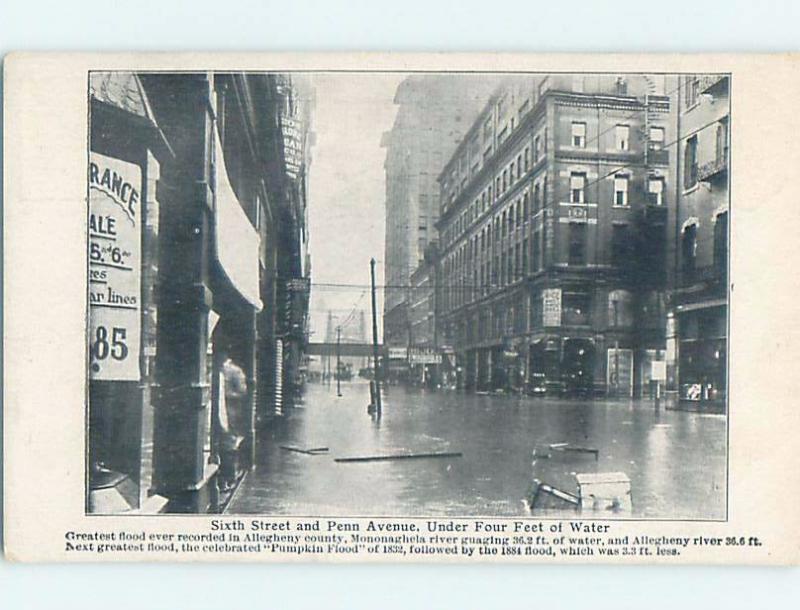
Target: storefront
126	150
702	353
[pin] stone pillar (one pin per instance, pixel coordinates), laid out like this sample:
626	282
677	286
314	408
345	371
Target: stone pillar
185	299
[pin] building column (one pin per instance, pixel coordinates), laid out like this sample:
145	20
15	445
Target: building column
180	424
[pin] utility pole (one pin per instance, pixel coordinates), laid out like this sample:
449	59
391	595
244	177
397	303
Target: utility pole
338	362
377	371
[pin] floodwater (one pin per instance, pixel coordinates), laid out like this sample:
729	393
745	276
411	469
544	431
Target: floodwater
676	460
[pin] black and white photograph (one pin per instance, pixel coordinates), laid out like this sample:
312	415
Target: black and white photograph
354	293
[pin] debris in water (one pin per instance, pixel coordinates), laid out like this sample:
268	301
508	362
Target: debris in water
604	491
399	456
546	496
311	451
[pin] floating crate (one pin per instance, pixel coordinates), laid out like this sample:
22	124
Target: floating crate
605	491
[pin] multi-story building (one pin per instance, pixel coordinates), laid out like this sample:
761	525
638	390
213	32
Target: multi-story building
552	234
423	350
433	113
198	171
697	320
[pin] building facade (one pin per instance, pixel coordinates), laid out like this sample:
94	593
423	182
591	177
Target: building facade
196	169
553	235
698	317
424	353
433	113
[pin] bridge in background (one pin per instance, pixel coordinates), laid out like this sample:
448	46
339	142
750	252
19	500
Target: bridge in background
345	349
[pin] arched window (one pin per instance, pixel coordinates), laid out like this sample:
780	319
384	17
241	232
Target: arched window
689	250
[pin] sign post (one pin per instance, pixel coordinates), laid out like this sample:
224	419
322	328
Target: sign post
658	374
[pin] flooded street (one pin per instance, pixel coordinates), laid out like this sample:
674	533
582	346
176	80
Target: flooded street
675	459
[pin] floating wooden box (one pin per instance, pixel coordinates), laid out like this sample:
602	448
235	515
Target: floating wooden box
605	491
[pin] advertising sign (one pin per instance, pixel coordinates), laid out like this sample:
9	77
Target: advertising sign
398	353
115	245
551	305
424	355
659	370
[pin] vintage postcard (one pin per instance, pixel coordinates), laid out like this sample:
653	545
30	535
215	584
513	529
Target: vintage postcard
404	308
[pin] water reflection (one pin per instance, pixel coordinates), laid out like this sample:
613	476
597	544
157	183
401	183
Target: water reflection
675	460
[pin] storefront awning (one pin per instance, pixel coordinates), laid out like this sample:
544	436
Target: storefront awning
236	242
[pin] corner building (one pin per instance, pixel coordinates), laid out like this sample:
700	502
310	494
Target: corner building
553	235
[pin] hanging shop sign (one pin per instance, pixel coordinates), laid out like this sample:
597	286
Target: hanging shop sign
236	242
115	278
292	131
551	306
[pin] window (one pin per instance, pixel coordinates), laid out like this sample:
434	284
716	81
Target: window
623	134
722	142
512	173
620	190
524	255
502	135
537	199
579	135
690	163
655	191
577	243
620	244
691	91
487	129
537	141
621	86
525	208
536	258
656	138
689	251
505	180
575	307
527	158
497	187
620	309
577	186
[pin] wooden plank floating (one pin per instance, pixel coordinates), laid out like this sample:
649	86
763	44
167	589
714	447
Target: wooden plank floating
314	451
400	456
567	447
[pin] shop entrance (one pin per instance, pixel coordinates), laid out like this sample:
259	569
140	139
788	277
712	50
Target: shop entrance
619	372
578	366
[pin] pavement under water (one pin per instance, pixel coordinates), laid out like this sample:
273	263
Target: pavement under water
676	460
